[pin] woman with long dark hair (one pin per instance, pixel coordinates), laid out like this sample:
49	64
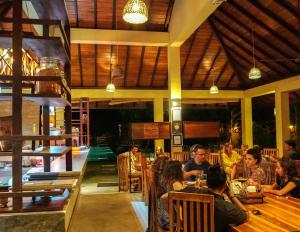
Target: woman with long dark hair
255	174
155	191
287	180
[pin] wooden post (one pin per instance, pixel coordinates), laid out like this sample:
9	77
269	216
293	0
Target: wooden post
46	131
17	102
68	119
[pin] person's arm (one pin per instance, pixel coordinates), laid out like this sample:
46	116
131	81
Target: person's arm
269	187
285	190
187	175
233	214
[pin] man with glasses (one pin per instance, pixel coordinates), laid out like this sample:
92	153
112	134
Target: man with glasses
198	164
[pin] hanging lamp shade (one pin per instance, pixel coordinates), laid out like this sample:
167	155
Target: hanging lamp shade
254	73
214	89
110	88
135	12
117	72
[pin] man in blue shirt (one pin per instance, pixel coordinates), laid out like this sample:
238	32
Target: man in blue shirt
198	163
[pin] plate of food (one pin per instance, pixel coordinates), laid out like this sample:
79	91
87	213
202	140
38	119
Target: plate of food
190	183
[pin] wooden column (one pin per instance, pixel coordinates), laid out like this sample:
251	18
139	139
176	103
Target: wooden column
174	85
246	117
68	119
282	107
158	111
46	131
17	102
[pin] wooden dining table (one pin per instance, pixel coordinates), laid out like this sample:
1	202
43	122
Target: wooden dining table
276	214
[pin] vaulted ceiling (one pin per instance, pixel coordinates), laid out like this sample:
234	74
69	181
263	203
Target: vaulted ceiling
219	50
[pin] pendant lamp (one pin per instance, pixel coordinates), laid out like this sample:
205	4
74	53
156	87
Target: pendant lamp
254	72
135	12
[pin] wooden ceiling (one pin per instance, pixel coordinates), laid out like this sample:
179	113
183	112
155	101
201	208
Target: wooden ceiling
220	50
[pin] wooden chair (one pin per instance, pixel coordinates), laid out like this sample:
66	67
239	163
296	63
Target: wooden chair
181	156
145	180
123	173
270	152
238	150
269	169
214	158
297	164
197	212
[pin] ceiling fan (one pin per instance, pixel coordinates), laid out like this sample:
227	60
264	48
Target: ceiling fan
297	58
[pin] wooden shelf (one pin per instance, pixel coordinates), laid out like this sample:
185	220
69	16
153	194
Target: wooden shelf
49	151
41	99
35	137
41	46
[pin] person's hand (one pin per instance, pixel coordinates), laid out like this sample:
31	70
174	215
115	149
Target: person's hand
196	173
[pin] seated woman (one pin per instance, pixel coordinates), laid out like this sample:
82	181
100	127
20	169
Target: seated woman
171	180
226	213
156	191
230	159
255	174
287	180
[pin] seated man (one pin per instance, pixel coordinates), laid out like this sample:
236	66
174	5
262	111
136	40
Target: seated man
290	149
226	213
199	163
133	164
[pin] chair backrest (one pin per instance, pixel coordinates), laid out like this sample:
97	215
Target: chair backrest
271	152
122	164
181	156
269	169
238	150
145	180
214	158
197	212
297	164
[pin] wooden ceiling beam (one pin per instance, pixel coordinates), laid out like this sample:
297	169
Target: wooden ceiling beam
230	79
141	66
243	82
201	58
290	7
119	37
249	42
262	39
285	85
80	64
76	12
126	65
211	66
264	26
189	52
95	13
168	15
97	94
95	46
221	72
187	16
155	66
274	16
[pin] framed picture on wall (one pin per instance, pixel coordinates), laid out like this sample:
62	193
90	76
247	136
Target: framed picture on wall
177	140
176	115
176	127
